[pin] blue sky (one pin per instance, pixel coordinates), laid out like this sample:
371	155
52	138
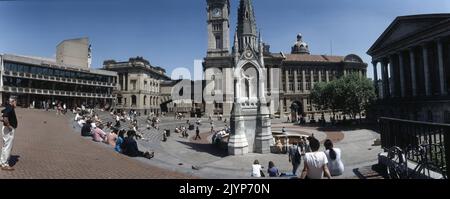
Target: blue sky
172	33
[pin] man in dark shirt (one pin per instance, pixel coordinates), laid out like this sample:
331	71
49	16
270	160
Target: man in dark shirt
197	134
130	148
295	157
86	129
9	126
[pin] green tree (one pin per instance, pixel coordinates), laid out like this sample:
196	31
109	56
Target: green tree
319	96
350	94
357	93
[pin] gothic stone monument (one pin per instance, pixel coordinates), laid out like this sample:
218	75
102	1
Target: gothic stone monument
245	75
250	117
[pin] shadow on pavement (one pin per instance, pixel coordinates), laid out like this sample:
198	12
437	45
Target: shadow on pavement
13	160
206	148
350	127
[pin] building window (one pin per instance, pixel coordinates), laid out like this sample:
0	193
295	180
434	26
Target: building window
133	84
119	100
145	100
430	116
218	42
308	86
133	100
217	27
291	86
300	86
447	117
247	89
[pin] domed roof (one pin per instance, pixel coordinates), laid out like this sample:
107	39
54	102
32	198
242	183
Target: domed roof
300	47
353	58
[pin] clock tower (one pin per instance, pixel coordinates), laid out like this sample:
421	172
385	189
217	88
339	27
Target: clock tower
218	28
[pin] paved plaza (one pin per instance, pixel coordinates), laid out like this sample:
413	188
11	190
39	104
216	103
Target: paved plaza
48	146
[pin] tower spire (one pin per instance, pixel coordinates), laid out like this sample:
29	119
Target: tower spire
246	27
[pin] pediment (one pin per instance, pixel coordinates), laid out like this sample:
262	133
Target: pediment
406	26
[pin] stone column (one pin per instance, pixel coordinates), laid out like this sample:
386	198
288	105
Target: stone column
320	75
426	70
305	105
412	60
287	80
124	87
296	80
281	108
441	67
327	74
304	80
384	76
312	80
402	75
375	76
392	82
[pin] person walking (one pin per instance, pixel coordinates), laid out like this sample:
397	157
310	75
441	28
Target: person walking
295	157
8	130
197	134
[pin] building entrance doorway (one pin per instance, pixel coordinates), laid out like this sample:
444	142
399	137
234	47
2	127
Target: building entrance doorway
296	111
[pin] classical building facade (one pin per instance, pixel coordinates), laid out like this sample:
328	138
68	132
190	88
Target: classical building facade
138	85
291	76
414	56
300	70
36	81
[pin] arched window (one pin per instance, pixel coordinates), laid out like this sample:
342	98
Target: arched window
145	100
247	88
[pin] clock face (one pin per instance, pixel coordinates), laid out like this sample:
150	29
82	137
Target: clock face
217	12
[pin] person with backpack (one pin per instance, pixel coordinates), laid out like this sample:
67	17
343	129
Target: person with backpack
295	157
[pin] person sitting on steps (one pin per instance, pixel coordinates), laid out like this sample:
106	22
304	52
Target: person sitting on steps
129	147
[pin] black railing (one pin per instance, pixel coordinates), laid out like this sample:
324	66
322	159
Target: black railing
405	133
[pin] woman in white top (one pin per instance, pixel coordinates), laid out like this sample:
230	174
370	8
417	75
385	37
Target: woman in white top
256	169
335	164
315	162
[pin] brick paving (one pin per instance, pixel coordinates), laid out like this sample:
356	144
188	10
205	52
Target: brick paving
45	147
